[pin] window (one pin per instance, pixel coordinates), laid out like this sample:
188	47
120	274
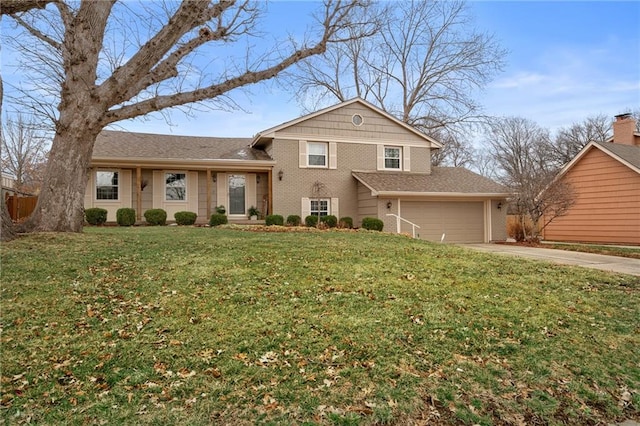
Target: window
357	120
319	207
176	186
392	157
317	154
106	185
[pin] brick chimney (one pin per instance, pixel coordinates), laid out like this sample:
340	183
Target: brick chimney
624	130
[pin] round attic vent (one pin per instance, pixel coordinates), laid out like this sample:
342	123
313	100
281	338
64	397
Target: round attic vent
357	120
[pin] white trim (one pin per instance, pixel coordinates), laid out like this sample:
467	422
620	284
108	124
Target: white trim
95	185
326	155
364	141
400	158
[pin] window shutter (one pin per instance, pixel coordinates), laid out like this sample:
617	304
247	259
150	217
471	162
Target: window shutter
90	192
158	189
333	155
380	157
192	191
302	148
222	190
335	210
406	159
124	188
305	208
251	188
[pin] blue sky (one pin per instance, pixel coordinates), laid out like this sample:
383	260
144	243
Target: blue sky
567	60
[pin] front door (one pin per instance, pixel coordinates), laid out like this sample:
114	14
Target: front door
237	195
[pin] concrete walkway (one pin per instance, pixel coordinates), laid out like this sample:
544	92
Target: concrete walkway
623	265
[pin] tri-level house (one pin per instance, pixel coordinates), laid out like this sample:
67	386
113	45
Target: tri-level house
351	159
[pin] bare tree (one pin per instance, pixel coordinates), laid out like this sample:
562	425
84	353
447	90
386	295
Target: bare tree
521	150
454	151
24	152
570	140
422	65
99	82
9	7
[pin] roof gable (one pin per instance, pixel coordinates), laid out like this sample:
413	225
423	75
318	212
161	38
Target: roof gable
336	122
627	155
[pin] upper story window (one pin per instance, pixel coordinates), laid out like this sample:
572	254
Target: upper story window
357	120
392	157
106	185
317	154
175	186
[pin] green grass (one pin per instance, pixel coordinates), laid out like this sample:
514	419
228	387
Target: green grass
191	326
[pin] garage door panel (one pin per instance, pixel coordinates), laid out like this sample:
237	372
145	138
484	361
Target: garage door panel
460	221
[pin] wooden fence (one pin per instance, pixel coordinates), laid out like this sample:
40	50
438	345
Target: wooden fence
20	208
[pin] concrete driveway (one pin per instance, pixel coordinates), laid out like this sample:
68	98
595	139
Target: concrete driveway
621	265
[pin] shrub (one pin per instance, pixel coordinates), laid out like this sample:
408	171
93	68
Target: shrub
218	219
345	222
253	211
185	218
274	219
372	223
126	216
311	221
220	209
294	220
155	217
516	230
96	216
330	220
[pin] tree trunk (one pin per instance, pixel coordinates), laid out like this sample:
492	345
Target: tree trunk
7	232
60	205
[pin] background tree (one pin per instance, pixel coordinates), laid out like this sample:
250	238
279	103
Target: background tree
455	152
24	152
423	65
106	66
527	165
570	140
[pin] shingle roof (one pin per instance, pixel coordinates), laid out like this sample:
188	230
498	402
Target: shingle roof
629	153
441	180
114	144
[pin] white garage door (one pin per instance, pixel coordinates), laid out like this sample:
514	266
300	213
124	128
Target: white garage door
459	221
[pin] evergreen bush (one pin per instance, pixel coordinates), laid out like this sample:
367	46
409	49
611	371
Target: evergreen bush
185	218
274	219
96	216
372	223
218	219
294	220
155	217
126	216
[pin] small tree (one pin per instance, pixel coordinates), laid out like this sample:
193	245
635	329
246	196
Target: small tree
522	151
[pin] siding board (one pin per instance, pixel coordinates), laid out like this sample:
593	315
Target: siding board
607	207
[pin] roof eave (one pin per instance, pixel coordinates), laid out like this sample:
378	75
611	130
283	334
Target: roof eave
442	194
180	162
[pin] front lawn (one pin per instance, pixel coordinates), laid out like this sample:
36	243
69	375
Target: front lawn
184	325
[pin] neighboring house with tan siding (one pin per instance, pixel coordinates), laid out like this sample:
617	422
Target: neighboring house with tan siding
351	159
606	182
